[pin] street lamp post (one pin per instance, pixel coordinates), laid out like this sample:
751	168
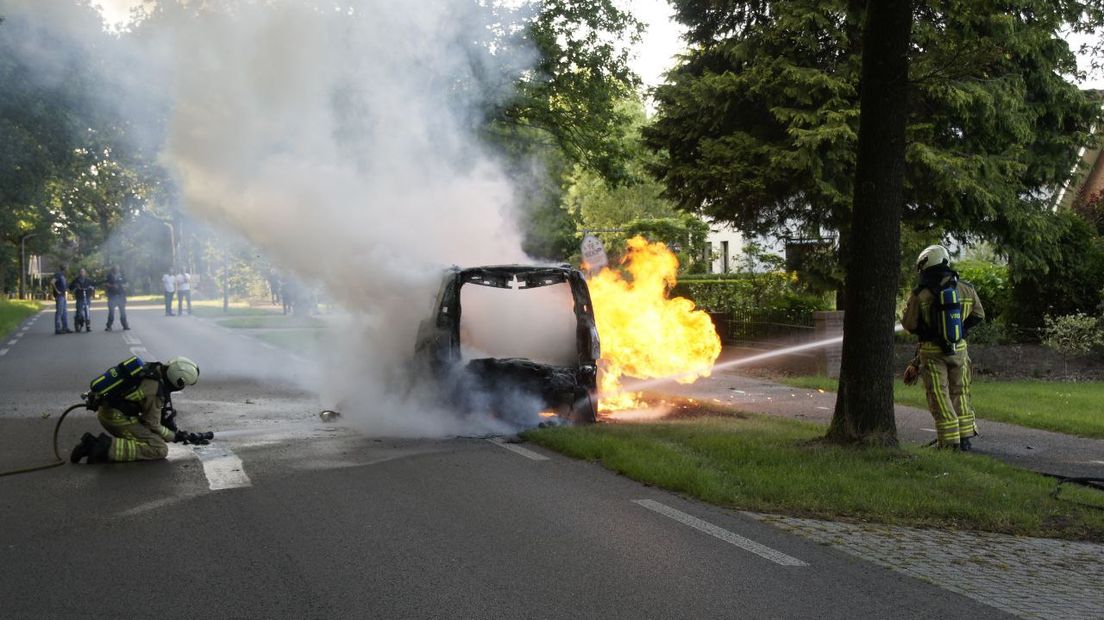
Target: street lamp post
23	264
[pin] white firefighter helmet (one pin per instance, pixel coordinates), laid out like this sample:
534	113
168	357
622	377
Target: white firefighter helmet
181	372
931	256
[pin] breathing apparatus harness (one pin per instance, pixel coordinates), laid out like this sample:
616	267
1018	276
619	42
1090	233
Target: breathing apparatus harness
950	326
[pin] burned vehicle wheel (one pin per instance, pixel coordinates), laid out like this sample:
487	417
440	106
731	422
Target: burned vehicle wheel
517	388
585	410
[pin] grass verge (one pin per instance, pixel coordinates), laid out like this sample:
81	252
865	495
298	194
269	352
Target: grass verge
1071	408
271	322
212	309
768	464
13	312
293	340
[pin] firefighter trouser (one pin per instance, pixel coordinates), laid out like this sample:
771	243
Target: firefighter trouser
947	382
132	441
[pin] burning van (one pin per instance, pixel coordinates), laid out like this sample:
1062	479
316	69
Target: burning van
517	340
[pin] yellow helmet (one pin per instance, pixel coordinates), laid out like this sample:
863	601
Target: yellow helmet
181	372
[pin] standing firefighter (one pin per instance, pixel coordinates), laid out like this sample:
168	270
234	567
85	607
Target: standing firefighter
941	311
134	404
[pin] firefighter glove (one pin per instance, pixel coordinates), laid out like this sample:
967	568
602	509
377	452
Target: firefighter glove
912	373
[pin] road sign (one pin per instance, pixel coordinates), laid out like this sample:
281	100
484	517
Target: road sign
594	253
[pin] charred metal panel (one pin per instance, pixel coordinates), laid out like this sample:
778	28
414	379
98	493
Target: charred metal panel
569	389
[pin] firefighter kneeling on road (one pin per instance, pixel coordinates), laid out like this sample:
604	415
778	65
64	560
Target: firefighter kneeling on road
941	311
136	408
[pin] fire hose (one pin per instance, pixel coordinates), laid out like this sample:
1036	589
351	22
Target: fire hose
57	456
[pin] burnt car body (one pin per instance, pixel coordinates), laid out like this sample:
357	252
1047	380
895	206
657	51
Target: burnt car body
568	390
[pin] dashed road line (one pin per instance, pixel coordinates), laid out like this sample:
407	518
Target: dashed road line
516	449
746	544
139	351
221	466
4	351
11	343
130	339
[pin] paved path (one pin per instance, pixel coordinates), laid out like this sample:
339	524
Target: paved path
1027	577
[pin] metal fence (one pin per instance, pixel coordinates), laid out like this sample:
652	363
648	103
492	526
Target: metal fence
762	327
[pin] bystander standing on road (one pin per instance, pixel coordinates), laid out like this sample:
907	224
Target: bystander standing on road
115	287
274	286
169	282
288	294
183	291
61	310
82	295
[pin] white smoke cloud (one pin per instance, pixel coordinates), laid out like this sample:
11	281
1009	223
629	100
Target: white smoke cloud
338	143
339	139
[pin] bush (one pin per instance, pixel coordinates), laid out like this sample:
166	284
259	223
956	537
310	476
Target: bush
992	285
990	333
1065	277
1073	334
775	295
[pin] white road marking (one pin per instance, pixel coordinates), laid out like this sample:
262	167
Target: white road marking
129	339
1097	462
4	351
155	504
139	351
928	430
516	449
822	408
746	544
12	342
223	468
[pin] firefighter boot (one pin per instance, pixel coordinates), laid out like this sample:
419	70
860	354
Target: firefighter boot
84	448
100	449
95	448
965	445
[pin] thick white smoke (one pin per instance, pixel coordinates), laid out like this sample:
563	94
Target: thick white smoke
341	143
338	137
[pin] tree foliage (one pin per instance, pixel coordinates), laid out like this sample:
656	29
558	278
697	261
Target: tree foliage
581	73
758	123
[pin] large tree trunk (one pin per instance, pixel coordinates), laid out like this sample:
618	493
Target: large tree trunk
864	406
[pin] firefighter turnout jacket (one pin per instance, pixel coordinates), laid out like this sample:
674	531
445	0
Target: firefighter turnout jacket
135	424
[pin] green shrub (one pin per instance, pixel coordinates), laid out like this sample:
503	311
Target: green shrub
1064	277
775	294
990	333
992	285
1073	334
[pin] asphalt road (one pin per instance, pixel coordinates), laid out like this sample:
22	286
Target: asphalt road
288	517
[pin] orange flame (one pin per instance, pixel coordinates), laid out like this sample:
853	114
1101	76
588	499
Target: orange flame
644	334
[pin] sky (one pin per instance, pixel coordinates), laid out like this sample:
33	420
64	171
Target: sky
656	54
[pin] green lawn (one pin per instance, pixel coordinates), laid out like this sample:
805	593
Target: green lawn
266	321
13	312
769	464
293	340
212	308
1072	408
